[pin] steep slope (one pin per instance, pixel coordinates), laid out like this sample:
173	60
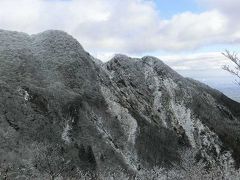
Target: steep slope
198	115
60	105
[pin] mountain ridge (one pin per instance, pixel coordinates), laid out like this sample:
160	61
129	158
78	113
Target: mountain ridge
128	113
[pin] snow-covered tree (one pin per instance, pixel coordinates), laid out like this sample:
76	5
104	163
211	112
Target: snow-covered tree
236	62
190	167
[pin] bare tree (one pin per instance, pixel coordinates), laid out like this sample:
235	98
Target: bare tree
236	62
49	159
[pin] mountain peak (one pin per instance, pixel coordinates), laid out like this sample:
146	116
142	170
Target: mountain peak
56	41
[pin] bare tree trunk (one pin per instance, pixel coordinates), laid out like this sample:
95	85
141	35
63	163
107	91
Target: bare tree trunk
52	177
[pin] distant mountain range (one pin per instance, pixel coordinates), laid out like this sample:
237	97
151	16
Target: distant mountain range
232	92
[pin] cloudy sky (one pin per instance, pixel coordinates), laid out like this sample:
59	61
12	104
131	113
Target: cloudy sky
189	35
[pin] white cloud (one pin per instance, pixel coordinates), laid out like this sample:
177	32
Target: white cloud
104	56
189	30
121	26
205	67
196	61
230	10
37	15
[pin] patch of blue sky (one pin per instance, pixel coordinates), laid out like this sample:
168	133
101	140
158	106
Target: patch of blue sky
234	47
169	8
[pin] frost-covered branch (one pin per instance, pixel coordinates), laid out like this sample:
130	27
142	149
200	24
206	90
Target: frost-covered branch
236	61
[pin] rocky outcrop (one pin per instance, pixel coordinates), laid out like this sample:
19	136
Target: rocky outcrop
127	113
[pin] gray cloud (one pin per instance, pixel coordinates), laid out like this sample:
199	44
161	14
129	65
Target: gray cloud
228	7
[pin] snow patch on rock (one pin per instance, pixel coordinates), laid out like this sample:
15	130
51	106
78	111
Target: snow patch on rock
208	140
128	123
181	113
65	133
200	136
151	76
183	118
23	93
170	86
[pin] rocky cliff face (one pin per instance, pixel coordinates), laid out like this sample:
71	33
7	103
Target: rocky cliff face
63	113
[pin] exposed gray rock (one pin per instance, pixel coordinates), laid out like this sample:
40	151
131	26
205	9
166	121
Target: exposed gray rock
129	113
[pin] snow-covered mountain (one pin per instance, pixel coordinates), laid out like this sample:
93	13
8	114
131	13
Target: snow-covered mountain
63	113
